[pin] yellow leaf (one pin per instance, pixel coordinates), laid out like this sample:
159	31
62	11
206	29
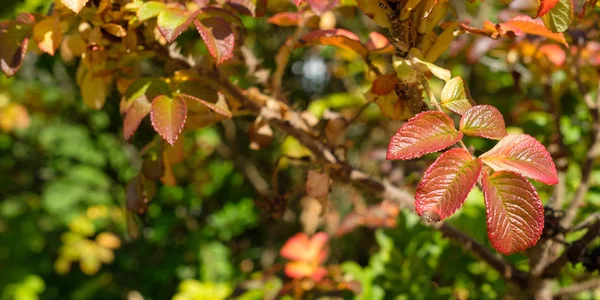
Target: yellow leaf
94	91
114	29
74	5
441	43
47	34
559	17
72	46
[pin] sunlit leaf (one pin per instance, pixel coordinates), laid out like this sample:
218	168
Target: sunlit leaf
523	154
425	133
379	44
442	43
150	10
446	184
115	29
74	5
560	16
172	22
455	96
47	34
483	121
334	37
545	6
515	215
524	24
218	37
168	117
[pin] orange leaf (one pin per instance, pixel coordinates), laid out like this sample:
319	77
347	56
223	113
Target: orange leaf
334	37
524	24
286	19
384	84
545	7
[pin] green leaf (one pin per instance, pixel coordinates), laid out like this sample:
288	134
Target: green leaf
455	96
559	17
172	22
150	10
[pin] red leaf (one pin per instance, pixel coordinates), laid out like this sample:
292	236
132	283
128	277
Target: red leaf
483	121
321	6
384	84
334	37
523	154
446	184
286	19
218	37
14	37
139	109
515	215
168	117
172	22
545	7
298	2
424	133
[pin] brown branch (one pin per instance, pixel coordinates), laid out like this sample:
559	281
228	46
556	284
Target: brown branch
578	287
574	251
280	116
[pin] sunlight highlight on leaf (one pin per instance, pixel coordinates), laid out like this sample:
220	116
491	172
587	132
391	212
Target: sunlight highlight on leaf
515	214
522	154
425	133
446	184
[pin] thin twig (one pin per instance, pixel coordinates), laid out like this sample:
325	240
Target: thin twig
282	58
360	111
574	251
590	220
578	287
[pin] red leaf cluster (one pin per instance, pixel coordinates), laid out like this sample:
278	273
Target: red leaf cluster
514	210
